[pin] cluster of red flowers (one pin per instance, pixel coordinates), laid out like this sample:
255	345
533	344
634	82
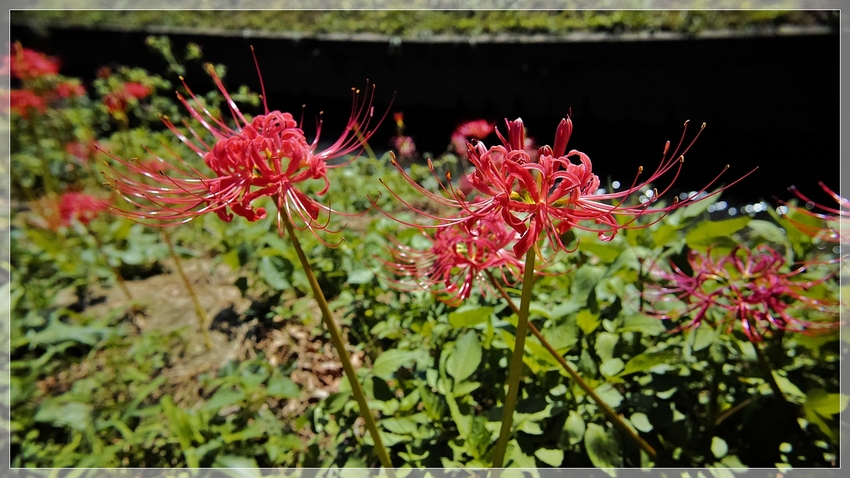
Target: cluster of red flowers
751	288
23	101
29	66
116	101
459	257
268	155
53	213
26	64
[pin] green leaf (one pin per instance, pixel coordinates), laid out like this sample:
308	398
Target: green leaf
709	232
609	395
574	427
584	280
704	337
465	357
587	321
553	458
719	447
360	276
664	234
470	316
611	367
561	337
391	360
643	324
401	426
791	392
282	387
602	449
827	404
607	252
224	397
645	361
768	230
698	207
465	388
605	343
641	422
273	270
58	331
478	437
241	466
71	414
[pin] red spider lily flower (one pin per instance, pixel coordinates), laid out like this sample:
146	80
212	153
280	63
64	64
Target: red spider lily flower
81	207
26	64
837	219
116	101
266	156
55	212
751	288
478	129
83	150
405	146
549	195
458	259
23	101
69	88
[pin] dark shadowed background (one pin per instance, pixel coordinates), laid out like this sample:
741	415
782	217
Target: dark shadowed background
768	100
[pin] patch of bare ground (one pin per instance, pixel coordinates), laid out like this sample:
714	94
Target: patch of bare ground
161	303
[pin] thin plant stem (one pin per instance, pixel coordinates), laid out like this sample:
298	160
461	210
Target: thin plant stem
118	277
728	413
515	370
200	312
768	373
48	182
339	344
611	414
363	141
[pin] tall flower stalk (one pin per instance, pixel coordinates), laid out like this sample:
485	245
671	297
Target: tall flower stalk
462	258
607	410
200	311
264	156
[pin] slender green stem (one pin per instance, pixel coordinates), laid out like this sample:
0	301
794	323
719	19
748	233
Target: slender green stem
363	141
515	370
200	312
48	181
768	373
728	413
339	344
118	277
610	413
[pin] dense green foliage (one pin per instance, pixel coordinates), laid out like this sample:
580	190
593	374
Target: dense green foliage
95	383
429	22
